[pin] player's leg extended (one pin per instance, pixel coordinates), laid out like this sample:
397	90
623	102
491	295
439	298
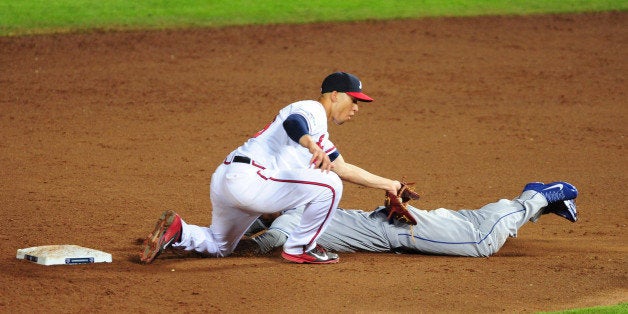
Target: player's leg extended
478	232
497	221
219	239
440	231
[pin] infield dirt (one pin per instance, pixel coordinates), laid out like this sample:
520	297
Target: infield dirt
102	131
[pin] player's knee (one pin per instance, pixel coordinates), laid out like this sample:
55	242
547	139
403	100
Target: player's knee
335	185
336	181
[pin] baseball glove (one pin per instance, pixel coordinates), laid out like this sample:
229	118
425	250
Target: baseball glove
397	204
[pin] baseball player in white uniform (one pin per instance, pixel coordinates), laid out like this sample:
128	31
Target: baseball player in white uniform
475	233
288	164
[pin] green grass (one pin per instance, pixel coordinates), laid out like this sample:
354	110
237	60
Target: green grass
617	309
19	17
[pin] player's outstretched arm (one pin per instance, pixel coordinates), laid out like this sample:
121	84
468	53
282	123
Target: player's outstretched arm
357	175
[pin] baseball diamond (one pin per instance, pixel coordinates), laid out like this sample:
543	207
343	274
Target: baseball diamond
101	132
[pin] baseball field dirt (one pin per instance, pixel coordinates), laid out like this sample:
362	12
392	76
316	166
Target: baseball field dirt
102	131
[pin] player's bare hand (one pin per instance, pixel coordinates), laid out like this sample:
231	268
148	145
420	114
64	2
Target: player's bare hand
395	187
320	160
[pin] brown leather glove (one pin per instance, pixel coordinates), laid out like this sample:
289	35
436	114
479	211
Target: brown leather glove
397	204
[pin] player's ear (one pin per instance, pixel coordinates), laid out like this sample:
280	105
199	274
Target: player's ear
334	96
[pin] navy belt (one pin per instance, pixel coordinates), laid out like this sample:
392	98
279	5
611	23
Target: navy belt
245	160
242	159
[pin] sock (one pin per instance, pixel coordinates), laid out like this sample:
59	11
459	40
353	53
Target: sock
270	240
257	226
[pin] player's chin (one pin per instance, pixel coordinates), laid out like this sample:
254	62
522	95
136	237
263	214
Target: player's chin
339	122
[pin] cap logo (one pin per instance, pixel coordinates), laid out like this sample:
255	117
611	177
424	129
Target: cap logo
360	85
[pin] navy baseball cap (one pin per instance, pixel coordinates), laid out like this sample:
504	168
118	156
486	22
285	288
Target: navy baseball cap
344	83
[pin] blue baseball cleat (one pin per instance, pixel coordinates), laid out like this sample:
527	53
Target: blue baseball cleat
565	209
555	191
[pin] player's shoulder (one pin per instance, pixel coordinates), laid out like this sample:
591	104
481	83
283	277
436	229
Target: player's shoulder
310	109
307	105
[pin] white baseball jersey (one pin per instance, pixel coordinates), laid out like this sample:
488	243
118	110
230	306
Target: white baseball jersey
271	146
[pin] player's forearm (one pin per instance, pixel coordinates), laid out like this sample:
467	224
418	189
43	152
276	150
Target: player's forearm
357	175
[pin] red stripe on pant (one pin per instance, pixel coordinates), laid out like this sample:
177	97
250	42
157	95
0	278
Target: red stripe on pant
331	207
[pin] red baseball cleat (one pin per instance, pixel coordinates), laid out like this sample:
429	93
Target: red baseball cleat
167	231
317	255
